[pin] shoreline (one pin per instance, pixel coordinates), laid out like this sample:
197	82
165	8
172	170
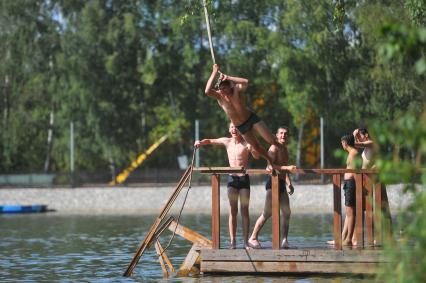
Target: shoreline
150	200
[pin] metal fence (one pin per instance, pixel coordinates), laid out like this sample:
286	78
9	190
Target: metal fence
145	177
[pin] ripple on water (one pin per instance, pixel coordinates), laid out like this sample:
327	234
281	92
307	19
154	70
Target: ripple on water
78	248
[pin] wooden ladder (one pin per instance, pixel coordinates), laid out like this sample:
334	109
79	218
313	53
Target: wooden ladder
153	232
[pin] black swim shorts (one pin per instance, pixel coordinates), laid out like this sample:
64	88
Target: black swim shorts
349	189
239	182
281	184
248	124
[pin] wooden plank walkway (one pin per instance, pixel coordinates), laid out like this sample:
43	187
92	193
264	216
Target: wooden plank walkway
302	261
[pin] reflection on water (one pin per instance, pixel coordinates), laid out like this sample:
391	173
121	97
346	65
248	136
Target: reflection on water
70	248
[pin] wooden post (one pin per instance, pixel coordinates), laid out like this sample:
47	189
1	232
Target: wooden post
189	234
275	212
337	204
368	209
378	213
387	218
359	214
216	211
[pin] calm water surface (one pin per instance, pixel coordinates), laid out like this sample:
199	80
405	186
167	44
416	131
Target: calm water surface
78	248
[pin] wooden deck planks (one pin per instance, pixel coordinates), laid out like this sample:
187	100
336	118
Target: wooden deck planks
291	261
305	255
289	267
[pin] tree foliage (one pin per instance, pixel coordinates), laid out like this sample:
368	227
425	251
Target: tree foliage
125	73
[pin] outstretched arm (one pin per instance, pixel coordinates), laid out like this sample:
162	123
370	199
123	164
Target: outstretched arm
240	83
209	90
219	141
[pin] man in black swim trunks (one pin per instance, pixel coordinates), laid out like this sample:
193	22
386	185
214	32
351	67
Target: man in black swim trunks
279	155
230	98
238	184
348	144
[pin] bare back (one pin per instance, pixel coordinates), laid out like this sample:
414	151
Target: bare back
350	163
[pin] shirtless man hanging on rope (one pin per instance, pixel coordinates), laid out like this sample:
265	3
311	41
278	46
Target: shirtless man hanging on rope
230	98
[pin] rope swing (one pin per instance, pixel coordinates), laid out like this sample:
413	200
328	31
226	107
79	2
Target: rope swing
206	13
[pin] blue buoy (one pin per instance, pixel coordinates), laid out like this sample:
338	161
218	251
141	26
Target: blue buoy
23	208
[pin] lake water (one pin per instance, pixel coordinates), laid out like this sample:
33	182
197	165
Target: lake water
54	247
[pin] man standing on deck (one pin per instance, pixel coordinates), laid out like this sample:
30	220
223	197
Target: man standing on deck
363	140
348	144
279	156
238	184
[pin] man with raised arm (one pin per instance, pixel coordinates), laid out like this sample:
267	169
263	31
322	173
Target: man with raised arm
238	184
363	140
279	156
230	98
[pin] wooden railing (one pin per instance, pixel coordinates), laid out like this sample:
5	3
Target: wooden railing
365	181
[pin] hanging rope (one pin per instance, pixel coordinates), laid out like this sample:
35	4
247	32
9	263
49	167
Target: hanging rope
208	31
183	204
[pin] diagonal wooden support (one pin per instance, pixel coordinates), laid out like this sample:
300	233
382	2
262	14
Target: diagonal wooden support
163	259
159	250
151	234
189	234
187	268
193	256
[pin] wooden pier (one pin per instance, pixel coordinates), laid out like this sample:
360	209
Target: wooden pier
207	257
303	261
363	258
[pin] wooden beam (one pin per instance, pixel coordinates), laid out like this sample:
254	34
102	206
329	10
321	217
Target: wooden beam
378	214
289	267
220	170
187	267
368	209
228	170
257	172
275	213
159	251
189	234
304	255
215	211
359	213
337	211
387	218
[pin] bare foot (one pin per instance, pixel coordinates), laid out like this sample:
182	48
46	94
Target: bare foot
285	245
232	245
254	243
330	242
